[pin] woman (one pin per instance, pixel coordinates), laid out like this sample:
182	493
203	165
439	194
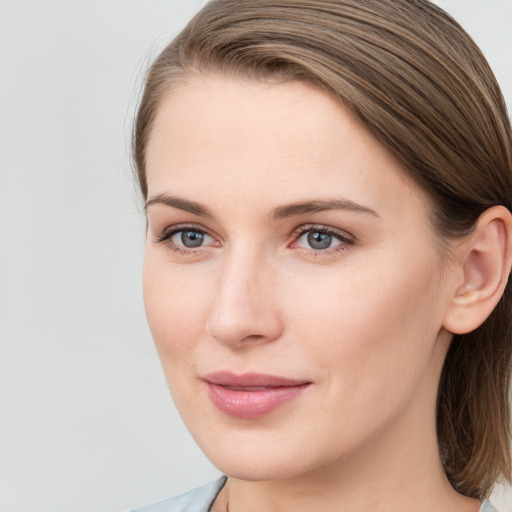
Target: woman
328	191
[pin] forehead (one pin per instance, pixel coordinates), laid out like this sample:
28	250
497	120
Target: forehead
268	141
259	112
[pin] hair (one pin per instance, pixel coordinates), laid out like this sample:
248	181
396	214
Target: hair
422	87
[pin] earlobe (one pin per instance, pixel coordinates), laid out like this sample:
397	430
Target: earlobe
485	260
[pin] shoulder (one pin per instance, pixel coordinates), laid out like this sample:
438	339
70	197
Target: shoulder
487	507
202	498
196	500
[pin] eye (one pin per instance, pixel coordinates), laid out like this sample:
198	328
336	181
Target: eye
322	238
317	240
186	239
189	238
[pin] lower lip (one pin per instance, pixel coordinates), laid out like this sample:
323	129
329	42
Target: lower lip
252	404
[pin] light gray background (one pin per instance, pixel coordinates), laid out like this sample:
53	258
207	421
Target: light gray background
86	423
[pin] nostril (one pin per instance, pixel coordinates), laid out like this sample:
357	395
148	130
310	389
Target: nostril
247	329
242	313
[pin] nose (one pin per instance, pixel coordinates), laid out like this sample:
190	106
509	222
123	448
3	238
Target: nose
244	312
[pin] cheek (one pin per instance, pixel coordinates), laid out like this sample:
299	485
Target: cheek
175	307
370	337
376	321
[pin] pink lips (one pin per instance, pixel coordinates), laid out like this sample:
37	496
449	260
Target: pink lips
251	395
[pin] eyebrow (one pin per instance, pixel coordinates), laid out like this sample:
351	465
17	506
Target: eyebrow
281	212
180	204
316	206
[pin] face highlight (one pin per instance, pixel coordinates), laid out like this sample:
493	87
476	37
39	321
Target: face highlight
288	256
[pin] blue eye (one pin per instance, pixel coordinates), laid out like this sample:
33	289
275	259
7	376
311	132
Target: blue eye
188	238
321	239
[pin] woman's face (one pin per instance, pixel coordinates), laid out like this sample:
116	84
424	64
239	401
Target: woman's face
291	280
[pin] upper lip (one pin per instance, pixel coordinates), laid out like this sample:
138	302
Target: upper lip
247	380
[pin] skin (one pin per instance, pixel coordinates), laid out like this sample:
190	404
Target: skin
363	320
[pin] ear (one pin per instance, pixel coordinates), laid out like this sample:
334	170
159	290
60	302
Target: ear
484	260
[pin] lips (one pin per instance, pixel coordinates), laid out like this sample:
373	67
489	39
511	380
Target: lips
251	395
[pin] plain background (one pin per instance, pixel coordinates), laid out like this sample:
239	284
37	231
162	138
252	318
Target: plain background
86	423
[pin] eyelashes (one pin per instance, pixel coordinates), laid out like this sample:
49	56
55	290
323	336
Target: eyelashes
321	239
186	238
318	240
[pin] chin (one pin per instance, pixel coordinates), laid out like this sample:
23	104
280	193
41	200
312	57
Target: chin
258	468
257	455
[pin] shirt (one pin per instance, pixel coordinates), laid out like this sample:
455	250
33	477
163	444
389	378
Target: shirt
202	499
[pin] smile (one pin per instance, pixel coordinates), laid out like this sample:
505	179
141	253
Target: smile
251	395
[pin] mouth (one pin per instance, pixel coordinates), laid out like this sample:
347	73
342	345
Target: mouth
251	395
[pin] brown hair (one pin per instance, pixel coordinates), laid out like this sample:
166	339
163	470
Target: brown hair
419	83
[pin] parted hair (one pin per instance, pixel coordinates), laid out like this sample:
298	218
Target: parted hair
419	83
